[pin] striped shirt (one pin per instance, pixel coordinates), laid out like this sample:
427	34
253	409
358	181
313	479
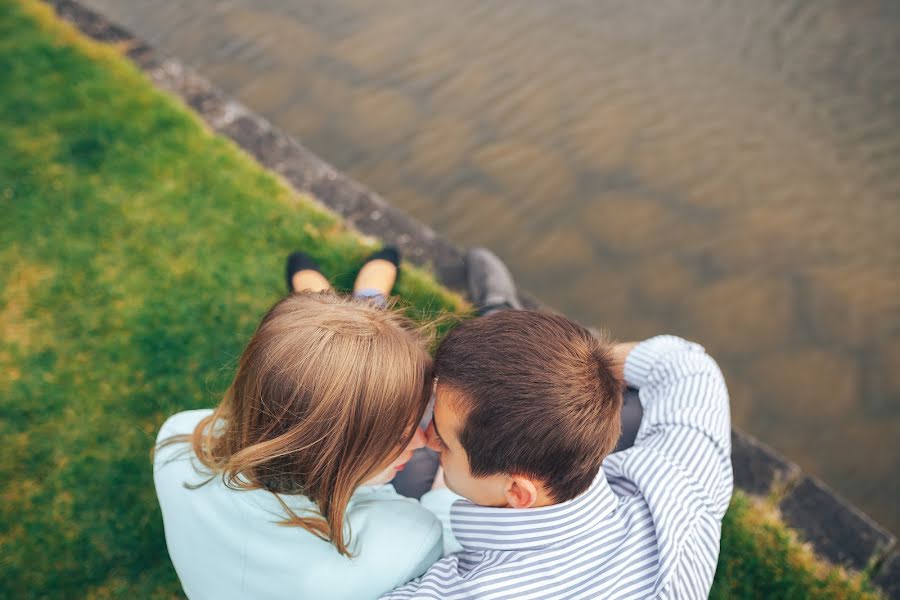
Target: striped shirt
648	527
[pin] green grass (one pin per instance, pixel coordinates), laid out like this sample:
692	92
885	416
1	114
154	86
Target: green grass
137	252
761	558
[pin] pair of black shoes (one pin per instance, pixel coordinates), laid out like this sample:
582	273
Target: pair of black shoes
300	261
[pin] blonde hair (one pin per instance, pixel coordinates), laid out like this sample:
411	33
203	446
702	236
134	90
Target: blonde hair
328	393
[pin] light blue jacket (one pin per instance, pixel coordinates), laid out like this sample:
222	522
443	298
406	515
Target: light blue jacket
227	544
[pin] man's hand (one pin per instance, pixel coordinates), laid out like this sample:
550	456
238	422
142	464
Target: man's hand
620	352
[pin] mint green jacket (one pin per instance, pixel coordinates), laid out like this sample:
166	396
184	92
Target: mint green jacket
228	544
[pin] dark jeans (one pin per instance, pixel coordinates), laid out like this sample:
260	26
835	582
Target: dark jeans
417	477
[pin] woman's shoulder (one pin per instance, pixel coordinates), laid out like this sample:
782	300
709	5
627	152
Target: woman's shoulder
385	500
377	505
394	528
179	424
182	423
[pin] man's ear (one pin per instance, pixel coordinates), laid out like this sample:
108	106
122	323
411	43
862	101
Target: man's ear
521	492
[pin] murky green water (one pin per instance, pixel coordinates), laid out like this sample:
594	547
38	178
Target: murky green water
728	171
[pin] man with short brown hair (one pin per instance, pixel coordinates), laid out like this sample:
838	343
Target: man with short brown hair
526	414
511	415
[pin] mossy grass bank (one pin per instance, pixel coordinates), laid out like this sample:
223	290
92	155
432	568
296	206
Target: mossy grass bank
137	253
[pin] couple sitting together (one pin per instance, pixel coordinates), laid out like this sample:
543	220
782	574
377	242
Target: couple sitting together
518	469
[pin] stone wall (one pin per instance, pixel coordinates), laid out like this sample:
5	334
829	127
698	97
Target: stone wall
837	530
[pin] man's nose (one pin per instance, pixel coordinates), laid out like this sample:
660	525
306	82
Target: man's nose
431	438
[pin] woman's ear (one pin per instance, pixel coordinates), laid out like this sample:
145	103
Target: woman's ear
521	492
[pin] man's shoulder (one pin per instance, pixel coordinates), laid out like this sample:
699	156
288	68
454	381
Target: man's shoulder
648	475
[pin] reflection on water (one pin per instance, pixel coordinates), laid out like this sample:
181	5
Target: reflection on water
728	171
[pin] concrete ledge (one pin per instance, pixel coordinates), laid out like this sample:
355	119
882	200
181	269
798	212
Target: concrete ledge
757	468
838	531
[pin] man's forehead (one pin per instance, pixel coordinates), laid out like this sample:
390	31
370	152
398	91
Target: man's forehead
446	408
447	395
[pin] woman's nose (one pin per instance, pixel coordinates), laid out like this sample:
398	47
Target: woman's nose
417	441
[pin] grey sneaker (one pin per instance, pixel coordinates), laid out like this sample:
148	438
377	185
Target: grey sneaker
491	286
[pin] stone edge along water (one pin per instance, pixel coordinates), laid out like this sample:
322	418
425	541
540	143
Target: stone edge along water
839	532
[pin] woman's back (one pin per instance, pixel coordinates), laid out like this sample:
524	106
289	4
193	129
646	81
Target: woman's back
227	543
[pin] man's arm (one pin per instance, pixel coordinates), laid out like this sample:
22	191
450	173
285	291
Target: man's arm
686	413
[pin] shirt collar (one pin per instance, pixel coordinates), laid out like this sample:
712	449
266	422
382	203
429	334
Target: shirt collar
486	528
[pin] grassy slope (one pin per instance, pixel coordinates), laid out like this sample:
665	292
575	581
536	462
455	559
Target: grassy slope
137	252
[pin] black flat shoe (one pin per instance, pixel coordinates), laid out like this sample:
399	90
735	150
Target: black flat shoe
388	253
296	262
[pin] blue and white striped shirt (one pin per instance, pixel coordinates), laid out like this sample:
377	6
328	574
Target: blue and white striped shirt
648	527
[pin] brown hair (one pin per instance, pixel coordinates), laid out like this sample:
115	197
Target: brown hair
328	392
537	394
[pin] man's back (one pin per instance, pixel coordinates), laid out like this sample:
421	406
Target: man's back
648	527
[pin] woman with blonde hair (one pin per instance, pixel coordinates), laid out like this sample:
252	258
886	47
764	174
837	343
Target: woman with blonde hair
280	492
